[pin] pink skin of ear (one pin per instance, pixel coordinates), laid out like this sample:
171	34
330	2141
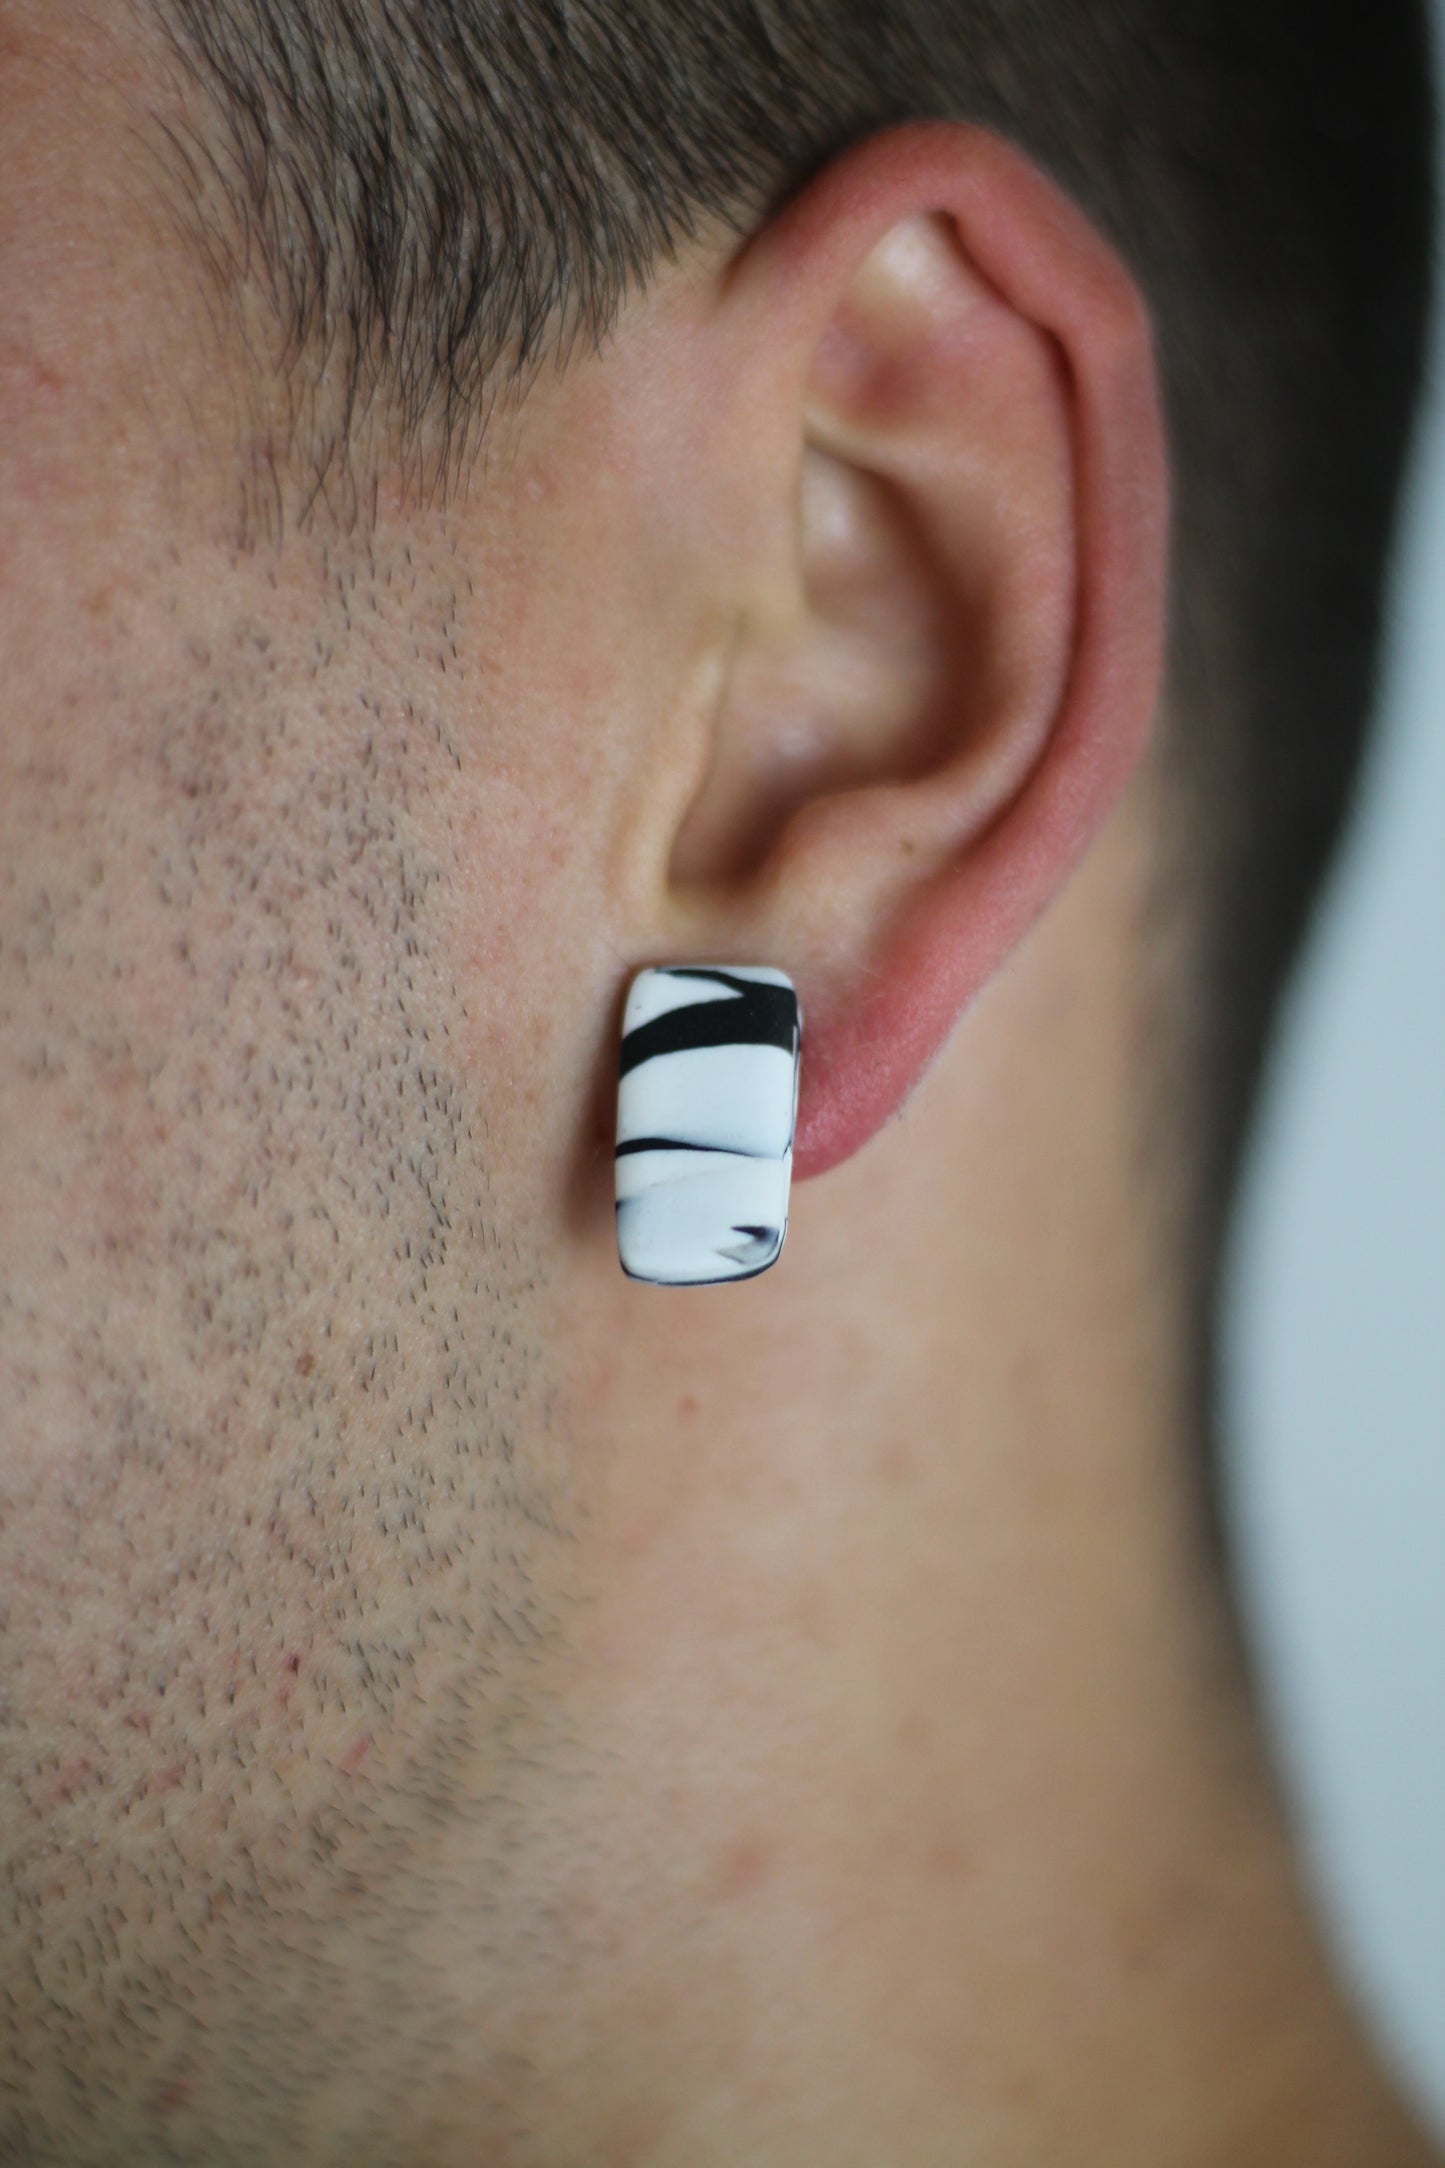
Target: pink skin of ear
865	1053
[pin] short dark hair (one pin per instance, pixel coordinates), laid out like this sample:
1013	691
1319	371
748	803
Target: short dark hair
437	192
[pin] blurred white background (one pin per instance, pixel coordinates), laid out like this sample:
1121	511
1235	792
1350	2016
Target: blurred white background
1336	1336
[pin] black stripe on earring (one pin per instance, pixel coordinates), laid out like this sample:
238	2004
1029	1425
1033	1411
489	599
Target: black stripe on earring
682	1144
761	1015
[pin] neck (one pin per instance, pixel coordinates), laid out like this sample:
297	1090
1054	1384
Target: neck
964	1589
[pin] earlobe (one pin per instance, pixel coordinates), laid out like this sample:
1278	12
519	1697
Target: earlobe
910	759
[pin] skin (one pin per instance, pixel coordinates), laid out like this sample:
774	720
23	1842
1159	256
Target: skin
457	1706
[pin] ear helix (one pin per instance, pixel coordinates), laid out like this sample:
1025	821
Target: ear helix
707	1106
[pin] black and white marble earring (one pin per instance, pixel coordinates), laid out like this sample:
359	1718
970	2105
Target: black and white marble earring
706	1110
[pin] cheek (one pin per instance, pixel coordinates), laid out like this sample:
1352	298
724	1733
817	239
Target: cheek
532	926
521	910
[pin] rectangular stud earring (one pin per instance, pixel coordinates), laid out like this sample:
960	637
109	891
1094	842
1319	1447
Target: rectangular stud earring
706	1109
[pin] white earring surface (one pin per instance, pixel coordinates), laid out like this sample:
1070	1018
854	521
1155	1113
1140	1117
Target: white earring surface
706	1108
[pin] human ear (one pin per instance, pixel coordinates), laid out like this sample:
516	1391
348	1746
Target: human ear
942	572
